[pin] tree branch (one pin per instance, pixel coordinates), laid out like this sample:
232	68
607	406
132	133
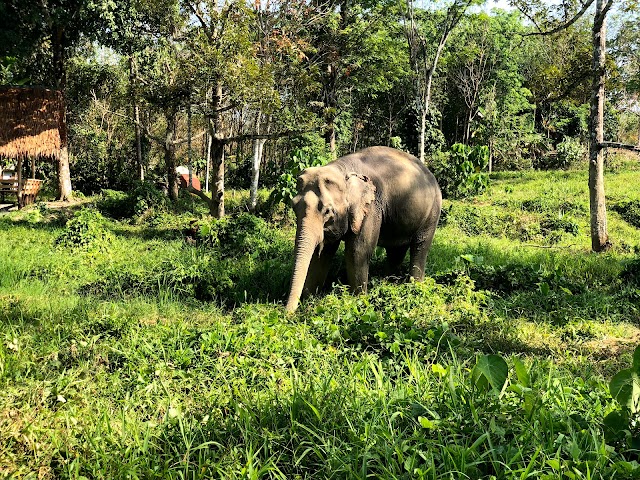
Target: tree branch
265	136
622	146
566	24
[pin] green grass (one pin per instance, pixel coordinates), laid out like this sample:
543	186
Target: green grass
144	349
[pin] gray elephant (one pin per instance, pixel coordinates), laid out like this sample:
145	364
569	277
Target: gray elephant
377	196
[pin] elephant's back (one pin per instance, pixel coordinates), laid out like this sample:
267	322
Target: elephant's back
407	191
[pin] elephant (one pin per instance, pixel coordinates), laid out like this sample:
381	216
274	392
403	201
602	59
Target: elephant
376	196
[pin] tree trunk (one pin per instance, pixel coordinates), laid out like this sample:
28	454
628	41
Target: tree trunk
170	154
597	206
217	194
64	172
64	175
217	132
207	156
136	116
258	147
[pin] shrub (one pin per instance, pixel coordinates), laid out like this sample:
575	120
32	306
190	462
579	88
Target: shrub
86	229
569	153
245	234
143	201
301	158
629	211
461	172
115	204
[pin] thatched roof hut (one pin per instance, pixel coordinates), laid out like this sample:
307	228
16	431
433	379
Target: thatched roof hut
32	123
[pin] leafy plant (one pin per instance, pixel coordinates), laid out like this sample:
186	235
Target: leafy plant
622	425
144	200
86	229
301	158
462	172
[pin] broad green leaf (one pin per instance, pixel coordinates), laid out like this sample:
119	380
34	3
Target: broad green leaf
522	373
625	388
426	423
614	425
494	369
636	359
438	369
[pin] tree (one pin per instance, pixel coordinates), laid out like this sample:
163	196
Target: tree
43	35
422	35
549	25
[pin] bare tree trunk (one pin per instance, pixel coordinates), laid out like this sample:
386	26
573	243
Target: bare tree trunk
170	154
64	175
217	195
258	147
208	159
64	172
217	131
136	113
597	206
136	116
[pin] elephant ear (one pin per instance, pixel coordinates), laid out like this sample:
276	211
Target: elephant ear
361	192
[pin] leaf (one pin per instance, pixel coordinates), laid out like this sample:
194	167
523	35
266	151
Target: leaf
554	463
521	372
426	423
438	369
494	369
544	288
625	388
636	359
615	423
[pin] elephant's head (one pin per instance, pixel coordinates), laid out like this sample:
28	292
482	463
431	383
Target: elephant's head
329	203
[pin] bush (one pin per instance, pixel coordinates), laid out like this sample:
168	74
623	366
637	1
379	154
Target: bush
569	153
629	211
143	201
87	229
461	172
301	158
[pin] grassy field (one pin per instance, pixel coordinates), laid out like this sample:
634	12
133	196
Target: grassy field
147	348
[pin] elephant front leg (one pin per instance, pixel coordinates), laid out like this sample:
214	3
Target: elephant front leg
358	251
319	268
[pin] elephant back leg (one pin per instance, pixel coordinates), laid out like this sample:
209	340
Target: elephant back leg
395	256
421	245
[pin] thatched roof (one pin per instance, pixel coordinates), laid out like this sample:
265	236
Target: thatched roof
31	122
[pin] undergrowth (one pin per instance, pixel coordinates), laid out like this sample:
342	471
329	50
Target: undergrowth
155	345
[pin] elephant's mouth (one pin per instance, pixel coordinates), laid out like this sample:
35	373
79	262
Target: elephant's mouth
332	234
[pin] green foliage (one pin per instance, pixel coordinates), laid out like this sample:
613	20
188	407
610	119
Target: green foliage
393	318
462	172
621	424
86	229
490	371
629	211
571	153
142	201
306	156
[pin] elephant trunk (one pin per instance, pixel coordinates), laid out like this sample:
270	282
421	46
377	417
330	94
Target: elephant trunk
307	240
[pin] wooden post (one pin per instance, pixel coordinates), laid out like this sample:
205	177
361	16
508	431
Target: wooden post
19	172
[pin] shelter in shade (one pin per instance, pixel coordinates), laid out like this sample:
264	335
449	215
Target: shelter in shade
32	127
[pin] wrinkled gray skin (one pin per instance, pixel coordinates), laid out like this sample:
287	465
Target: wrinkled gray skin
377	196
